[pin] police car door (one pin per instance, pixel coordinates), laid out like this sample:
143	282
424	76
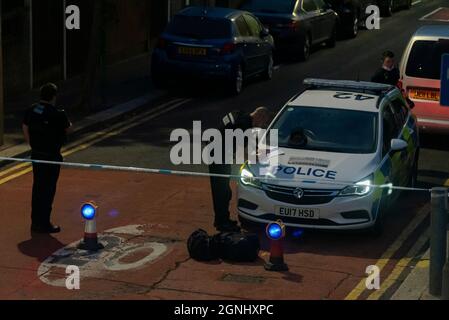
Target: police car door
390	131
408	133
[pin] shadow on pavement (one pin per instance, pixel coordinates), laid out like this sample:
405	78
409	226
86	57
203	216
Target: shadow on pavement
40	246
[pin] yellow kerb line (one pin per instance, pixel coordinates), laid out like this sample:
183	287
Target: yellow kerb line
401	266
389	253
96	137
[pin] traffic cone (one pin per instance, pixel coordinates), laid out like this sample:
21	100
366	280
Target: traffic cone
90	241
276	262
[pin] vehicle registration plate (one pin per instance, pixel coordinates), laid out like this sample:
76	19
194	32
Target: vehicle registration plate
192	51
424	94
294	212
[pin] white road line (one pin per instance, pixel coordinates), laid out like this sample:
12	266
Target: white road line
416	2
432	13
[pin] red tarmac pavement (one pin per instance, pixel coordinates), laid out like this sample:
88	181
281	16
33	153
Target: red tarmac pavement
167	209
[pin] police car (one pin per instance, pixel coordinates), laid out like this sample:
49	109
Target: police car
337	142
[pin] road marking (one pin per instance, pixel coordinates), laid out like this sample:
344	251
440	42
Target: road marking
401	266
430	14
416	2
394	247
94	265
96	137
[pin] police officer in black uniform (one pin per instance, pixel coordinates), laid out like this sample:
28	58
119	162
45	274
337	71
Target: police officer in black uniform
221	190
45	128
388	73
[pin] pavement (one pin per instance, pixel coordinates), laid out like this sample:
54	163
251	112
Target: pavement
126	89
145	219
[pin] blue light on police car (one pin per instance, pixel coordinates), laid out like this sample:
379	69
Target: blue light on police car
275	231
88	211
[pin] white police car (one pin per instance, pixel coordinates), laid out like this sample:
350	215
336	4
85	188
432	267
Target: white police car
337	140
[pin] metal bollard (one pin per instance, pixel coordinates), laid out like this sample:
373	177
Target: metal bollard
445	287
439	220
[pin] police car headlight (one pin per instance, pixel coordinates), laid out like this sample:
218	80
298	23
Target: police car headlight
361	188
247	178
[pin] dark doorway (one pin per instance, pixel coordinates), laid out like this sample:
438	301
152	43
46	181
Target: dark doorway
78	40
48	26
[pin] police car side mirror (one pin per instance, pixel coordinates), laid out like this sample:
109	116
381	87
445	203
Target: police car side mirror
398	145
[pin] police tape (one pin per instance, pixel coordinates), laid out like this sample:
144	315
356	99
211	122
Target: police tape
202	174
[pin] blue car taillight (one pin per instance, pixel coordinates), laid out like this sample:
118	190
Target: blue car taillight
228	48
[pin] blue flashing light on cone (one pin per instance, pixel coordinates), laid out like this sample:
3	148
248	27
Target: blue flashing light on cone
276	233
89	212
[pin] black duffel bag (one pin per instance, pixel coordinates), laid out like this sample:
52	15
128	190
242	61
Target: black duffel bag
236	246
200	246
229	246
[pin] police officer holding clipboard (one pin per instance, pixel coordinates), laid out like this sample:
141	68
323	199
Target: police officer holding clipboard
221	190
45	127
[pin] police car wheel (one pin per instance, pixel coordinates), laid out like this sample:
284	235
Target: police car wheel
414	174
378	228
248	225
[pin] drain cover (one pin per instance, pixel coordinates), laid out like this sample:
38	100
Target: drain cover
242	278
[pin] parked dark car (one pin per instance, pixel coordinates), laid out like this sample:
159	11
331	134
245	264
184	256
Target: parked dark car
352	13
351	16
388	6
213	43
296	25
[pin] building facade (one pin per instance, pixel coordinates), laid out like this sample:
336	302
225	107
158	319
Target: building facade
38	48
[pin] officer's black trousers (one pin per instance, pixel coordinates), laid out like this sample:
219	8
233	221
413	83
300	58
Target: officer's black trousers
221	192
44	188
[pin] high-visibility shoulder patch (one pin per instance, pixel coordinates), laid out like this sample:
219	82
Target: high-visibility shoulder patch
39	109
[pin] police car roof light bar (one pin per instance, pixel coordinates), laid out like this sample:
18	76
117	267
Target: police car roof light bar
376	88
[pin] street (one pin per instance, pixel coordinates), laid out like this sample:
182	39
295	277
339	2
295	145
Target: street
166	209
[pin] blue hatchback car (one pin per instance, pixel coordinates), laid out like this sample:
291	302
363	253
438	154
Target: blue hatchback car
213	44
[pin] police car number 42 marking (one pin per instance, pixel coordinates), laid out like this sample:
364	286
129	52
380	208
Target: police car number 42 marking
347	96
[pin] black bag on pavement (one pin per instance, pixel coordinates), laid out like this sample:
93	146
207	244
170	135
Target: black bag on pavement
229	246
237	246
200	246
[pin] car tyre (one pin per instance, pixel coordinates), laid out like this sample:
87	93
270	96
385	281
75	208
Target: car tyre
304	53
268	73
248	225
409	4
235	86
352	32
386	10
414	176
332	42
378	228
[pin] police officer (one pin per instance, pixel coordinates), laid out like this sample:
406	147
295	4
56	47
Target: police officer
221	190
45	127
388	73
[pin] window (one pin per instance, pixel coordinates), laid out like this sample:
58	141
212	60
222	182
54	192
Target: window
254	26
242	27
200	27
309	5
390	128
320	4
328	129
400	111
425	59
269	6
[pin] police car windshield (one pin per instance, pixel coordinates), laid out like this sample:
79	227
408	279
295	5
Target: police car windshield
327	129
